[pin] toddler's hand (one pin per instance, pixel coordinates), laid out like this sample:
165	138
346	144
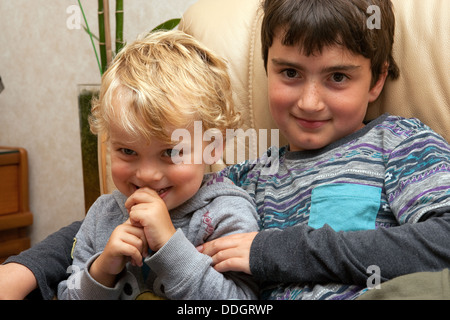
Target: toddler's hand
127	242
148	211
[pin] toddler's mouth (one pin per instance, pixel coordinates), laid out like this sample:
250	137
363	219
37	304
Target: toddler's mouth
161	191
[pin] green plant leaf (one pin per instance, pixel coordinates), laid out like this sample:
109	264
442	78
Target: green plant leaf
91	34
168	25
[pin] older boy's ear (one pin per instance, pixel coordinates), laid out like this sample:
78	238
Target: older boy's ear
376	89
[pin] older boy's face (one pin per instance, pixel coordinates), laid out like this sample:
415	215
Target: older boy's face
319	99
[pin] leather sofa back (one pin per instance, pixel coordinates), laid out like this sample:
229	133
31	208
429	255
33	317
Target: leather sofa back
422	50
231	28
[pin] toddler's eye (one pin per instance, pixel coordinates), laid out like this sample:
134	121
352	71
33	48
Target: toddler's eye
173	152
127	152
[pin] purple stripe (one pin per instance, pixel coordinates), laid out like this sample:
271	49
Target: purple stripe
411	202
417	178
349	294
420	145
370	146
282	206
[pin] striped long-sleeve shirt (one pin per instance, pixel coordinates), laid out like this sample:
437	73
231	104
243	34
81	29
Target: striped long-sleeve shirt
345	202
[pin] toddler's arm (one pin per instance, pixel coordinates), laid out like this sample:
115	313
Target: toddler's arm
185	273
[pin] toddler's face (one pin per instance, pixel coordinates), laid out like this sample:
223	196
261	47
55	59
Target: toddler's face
136	164
318	99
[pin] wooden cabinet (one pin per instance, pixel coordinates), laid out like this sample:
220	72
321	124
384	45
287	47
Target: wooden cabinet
15	214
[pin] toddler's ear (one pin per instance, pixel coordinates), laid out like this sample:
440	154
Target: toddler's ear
375	91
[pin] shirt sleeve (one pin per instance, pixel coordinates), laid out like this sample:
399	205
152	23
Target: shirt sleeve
301	253
417	177
49	260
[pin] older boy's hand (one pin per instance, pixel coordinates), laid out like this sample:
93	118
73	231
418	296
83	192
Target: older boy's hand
230	253
148	211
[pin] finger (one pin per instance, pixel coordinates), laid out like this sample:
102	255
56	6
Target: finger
233	264
119	249
225	255
135	237
133	254
144	214
136	229
211	248
139	215
234	259
141	195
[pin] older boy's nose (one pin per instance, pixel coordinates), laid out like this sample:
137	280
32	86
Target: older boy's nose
310	98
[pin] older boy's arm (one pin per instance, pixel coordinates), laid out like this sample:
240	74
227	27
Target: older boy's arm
48	261
16	281
302	253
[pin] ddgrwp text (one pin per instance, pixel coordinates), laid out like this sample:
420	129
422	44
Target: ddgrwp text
246	309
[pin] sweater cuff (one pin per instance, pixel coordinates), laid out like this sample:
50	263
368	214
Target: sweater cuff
275	257
257	255
93	290
175	263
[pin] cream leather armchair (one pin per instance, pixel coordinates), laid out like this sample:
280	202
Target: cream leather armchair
422	49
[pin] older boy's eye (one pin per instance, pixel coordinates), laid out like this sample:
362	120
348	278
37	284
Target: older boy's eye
338	77
290	73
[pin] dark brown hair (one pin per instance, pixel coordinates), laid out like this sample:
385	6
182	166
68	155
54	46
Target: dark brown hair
314	24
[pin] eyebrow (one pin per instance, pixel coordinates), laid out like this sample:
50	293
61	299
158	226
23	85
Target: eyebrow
330	69
121	143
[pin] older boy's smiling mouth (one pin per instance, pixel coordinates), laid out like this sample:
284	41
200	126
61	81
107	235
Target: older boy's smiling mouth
310	124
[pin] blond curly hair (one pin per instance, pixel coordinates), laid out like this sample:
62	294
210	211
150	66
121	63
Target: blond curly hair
163	80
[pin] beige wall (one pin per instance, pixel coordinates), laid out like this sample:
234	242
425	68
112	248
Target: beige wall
41	63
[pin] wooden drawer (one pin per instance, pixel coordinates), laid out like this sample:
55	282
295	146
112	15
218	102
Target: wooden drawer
14	209
9	183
